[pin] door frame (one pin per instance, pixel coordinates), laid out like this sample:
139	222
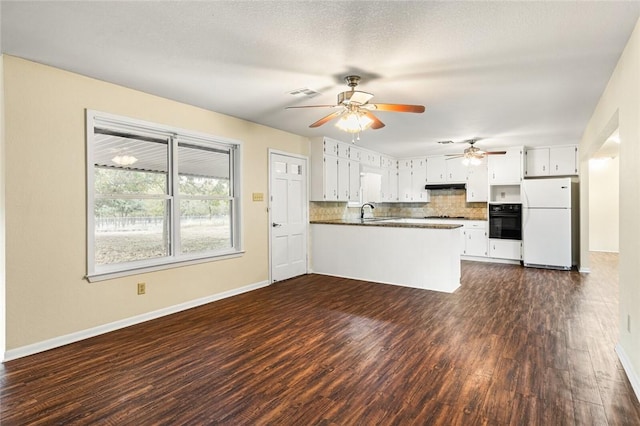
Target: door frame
305	159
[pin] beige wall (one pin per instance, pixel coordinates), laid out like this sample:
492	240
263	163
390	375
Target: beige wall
604	198
47	296
620	105
2	214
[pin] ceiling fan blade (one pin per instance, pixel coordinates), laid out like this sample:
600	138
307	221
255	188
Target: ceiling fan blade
398	107
327	118
313	106
454	156
377	124
495	152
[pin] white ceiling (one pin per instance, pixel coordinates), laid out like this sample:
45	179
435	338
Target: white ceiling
513	73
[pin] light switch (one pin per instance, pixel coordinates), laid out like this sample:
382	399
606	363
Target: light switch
258	196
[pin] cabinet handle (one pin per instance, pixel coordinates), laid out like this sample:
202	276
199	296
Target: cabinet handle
544	168
556	167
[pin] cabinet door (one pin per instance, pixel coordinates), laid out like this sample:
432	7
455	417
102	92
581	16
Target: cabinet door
404	184
507	168
371	158
505	249
343	179
456	171
330	147
478	183
419	179
537	162
476	242
354	181
355	153
392	194
436	169
343	150
563	160
330	178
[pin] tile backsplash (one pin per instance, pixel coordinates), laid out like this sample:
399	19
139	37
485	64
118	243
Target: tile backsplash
443	203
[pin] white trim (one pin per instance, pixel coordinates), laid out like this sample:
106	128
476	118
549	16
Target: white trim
55	342
584	270
174	258
628	368
118	273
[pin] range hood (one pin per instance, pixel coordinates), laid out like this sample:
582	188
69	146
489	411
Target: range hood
445	186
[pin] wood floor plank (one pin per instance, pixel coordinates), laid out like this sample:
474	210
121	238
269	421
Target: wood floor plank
512	345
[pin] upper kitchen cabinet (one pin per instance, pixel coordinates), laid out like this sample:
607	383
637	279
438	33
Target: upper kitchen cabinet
477	182
332	171
506	168
389	170
552	161
442	169
370	158
412	176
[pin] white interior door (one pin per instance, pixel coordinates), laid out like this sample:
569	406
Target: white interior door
288	214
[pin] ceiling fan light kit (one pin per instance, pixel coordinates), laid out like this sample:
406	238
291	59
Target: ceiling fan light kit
472	156
354	122
355	115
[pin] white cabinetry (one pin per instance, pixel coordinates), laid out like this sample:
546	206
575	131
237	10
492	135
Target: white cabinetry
441	169
354	181
478	183
456	170
355	153
405	192
343	179
552	161
475	239
507	168
370	158
505	249
332	171
389	170
412	176
436	169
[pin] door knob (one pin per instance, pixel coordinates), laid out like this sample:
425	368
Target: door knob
275	225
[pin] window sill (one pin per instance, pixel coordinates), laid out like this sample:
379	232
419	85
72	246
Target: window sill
102	276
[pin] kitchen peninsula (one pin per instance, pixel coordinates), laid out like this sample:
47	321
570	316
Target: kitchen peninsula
388	251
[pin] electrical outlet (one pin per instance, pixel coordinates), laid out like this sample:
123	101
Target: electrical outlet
629	323
142	288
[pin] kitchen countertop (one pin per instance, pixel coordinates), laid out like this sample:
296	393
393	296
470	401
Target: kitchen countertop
386	222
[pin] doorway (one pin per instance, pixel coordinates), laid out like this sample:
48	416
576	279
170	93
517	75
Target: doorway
604	196
288	215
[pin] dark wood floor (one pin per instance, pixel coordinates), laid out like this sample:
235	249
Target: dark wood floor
511	346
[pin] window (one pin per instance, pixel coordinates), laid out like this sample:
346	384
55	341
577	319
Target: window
158	196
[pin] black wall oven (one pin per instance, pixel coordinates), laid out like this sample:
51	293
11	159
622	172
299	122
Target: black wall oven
505	221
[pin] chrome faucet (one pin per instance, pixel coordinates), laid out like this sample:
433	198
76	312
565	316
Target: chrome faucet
362	209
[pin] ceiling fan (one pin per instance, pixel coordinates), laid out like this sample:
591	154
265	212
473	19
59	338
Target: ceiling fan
355	110
472	155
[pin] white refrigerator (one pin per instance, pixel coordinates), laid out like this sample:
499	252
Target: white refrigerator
547	222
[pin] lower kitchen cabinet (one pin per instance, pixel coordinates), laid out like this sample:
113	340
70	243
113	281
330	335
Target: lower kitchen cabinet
505	249
475	242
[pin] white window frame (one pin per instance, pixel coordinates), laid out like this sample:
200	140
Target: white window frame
174	136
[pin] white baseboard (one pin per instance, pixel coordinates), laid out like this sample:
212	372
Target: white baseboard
55	342
584	270
628	368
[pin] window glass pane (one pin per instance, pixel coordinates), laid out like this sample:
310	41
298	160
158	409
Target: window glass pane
205	225
130	152
130	229
203	170
127	181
